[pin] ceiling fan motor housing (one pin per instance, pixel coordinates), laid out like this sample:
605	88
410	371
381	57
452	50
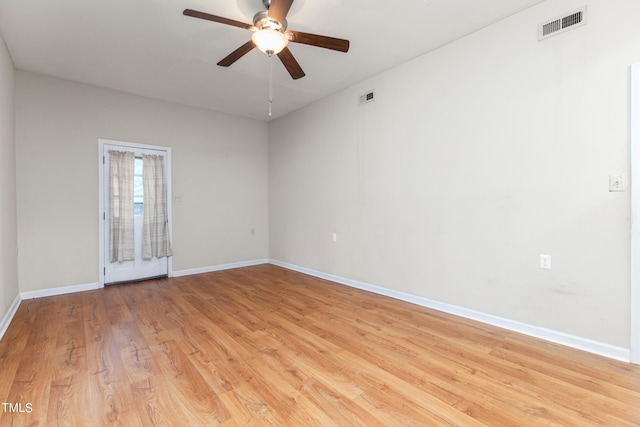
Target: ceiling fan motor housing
262	21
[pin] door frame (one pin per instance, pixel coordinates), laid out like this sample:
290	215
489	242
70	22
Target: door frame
101	205
634	130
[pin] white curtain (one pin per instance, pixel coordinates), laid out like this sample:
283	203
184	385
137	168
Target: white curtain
155	228
121	206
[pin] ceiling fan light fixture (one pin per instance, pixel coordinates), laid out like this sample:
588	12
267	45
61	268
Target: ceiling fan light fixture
270	41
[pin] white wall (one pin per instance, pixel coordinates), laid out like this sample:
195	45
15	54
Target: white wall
219	171
473	160
8	218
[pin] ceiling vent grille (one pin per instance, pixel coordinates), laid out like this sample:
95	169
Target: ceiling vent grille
366	98
559	25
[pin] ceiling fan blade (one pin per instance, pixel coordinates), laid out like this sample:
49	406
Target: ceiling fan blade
278	9
215	18
237	54
291	64
326	42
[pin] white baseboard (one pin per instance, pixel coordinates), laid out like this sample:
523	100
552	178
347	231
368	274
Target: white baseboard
59	291
580	343
6	320
91	286
219	267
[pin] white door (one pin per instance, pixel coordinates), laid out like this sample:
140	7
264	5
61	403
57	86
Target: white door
138	269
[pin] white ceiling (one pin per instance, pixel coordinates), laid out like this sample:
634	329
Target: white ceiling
148	47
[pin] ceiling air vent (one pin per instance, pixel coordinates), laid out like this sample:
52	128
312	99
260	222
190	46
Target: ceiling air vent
559	25
366	98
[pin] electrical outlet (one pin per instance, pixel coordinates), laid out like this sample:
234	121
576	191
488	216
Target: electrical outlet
545	262
335	237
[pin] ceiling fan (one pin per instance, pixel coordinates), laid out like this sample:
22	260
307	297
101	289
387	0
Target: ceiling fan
271	36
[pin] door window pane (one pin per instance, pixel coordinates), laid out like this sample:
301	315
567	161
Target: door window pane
138	188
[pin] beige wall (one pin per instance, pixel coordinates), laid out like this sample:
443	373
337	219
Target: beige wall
219	172
474	160
8	218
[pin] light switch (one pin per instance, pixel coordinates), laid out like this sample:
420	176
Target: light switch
545	262
616	182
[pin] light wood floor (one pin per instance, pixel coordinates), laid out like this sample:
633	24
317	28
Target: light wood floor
266	346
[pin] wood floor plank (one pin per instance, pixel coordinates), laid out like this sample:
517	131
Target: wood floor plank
23	394
266	346
68	399
340	409
154	403
137	358
201	404
248	407
31	386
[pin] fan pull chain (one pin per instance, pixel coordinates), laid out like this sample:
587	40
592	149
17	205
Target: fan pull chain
270	82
